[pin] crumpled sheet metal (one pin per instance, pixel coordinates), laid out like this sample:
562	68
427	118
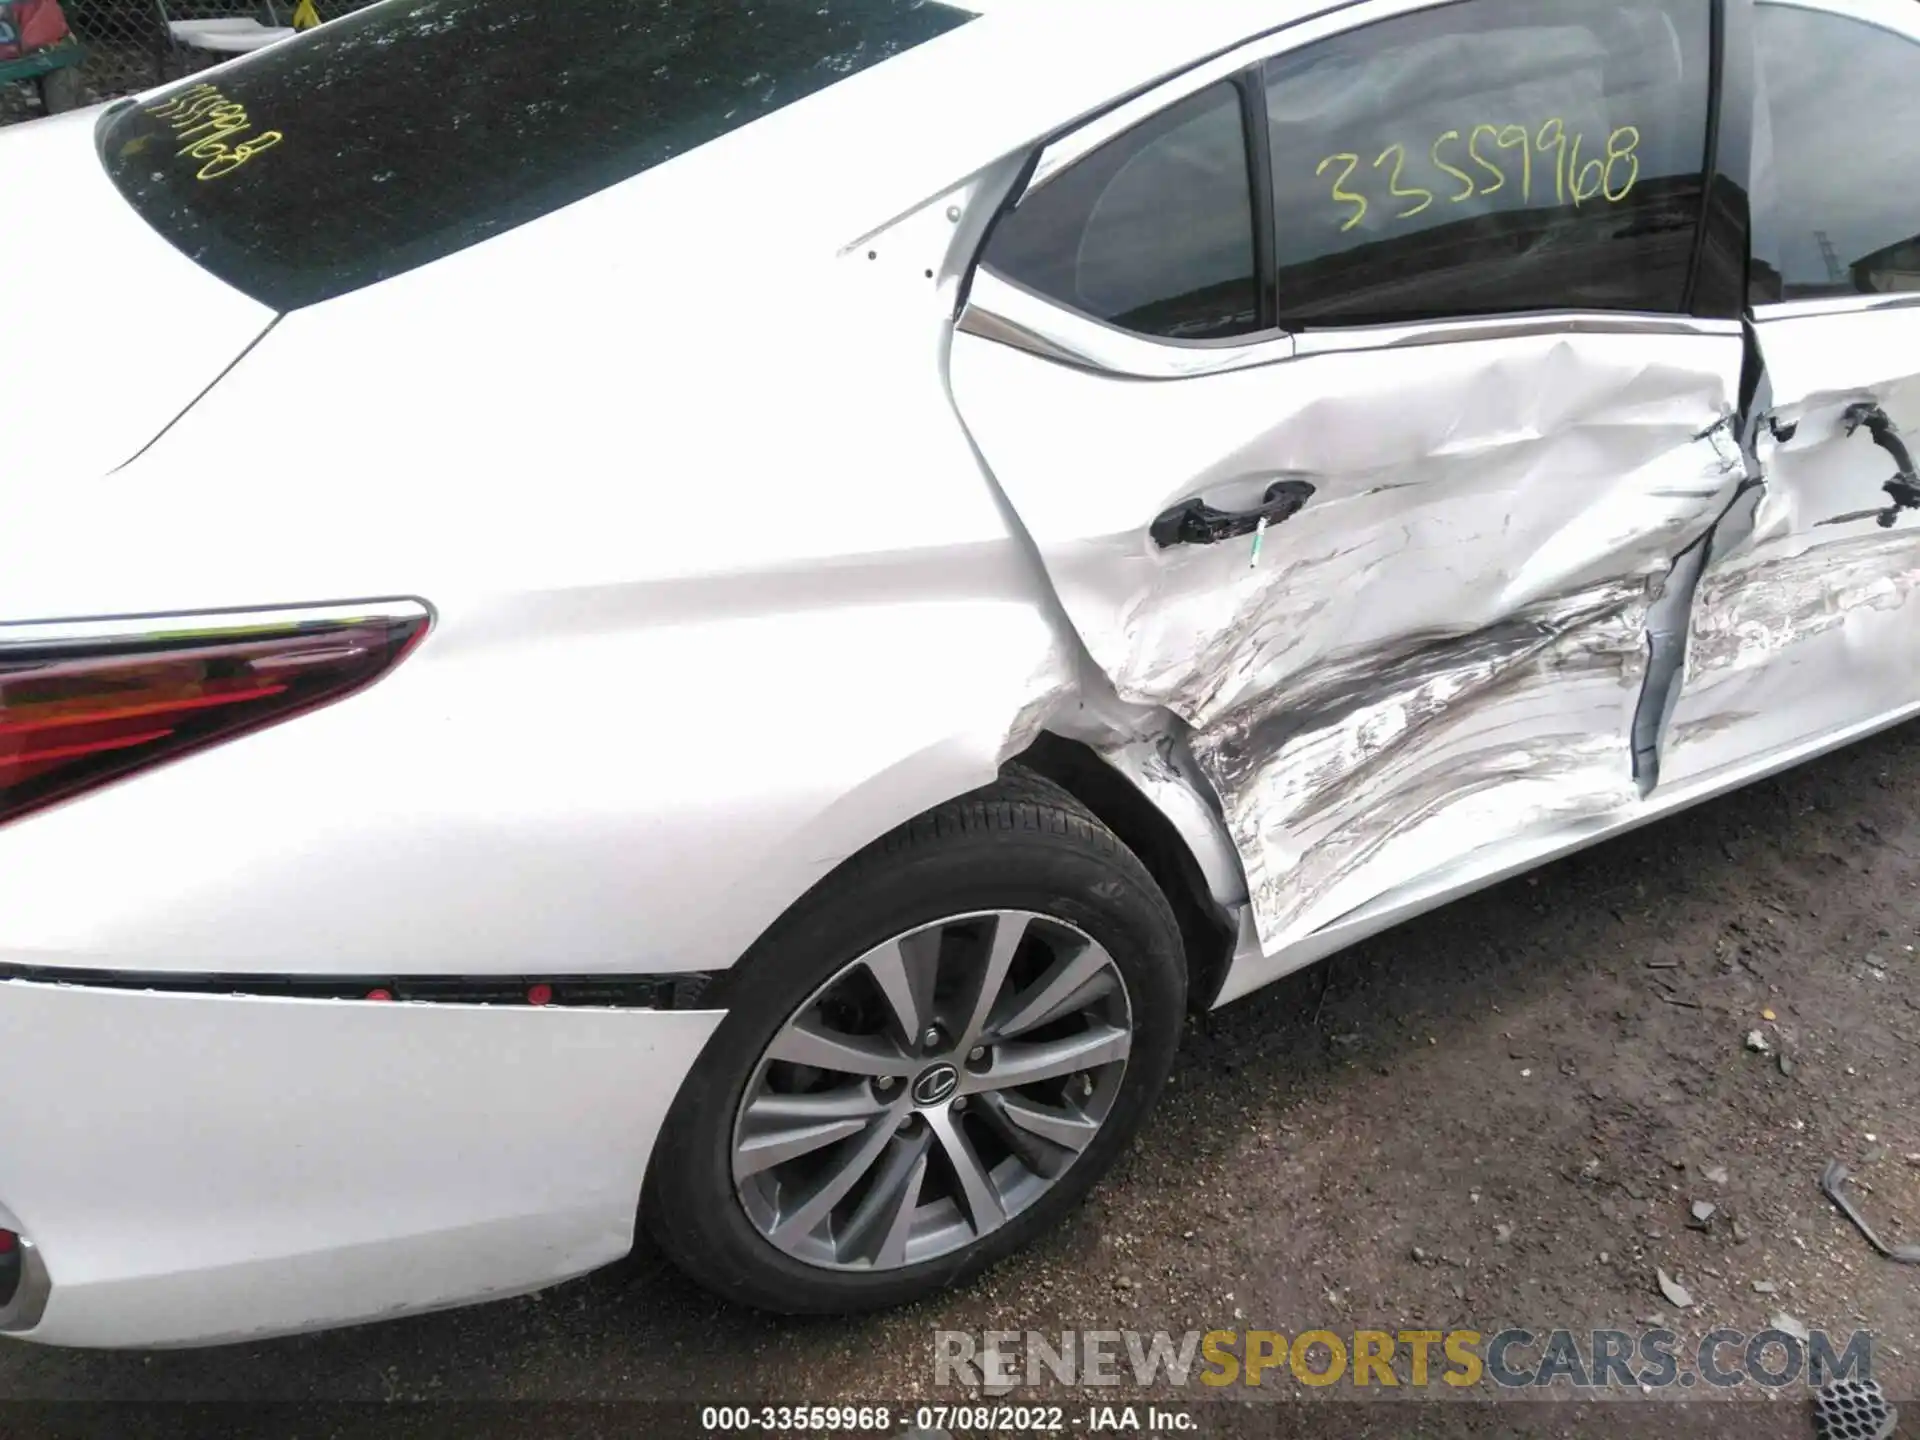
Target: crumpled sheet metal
1446	647
1387	767
1457	486
1806	619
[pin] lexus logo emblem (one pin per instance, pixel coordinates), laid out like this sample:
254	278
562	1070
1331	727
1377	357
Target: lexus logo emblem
935	1085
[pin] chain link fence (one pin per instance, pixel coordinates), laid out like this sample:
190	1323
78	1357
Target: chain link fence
130	46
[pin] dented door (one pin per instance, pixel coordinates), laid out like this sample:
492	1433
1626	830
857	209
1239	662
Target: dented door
1392	552
1805	626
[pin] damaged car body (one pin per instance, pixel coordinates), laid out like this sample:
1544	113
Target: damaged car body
1202	498
1553	514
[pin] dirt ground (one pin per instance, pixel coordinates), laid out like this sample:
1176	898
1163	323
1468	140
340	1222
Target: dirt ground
1496	1115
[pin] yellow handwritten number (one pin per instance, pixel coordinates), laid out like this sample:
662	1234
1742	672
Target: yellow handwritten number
1578	173
1473	150
231	160
1559	143
1516	136
1399	153
1460	175
1353	163
1616	153
174	104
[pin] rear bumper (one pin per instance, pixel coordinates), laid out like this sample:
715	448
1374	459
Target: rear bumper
195	1168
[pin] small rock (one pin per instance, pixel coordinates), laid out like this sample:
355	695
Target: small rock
1678	1163
1502	1234
1786	1066
1714	1175
1419	1255
1702	1212
1874	1155
1122	1282
1787	1325
1757	1043
1603	1257
1739	1232
1592	1167
1768	1014
1765	1287
1677	1294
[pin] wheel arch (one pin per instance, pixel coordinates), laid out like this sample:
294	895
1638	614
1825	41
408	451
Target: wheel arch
1207	925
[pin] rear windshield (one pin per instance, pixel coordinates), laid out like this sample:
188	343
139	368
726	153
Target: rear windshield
404	132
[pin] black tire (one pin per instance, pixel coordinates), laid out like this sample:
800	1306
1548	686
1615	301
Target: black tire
1021	843
60	89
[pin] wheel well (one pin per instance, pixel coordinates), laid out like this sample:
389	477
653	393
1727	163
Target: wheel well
1206	930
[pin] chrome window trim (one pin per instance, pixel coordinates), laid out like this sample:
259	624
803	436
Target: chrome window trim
1835	305
210	624
1001	310
1508	327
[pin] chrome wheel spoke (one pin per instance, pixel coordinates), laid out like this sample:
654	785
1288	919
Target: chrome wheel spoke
1008	931
1015	1063
1071	984
1055	1125
778	1128
854	1159
1045	1139
978	1198
807	1042
905	970
879	1229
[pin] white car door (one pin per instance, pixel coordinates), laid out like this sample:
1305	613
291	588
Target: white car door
1805	625
1359	389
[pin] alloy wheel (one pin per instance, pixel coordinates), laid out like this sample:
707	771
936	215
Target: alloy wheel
931	1090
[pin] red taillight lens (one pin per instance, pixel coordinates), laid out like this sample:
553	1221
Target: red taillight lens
83	704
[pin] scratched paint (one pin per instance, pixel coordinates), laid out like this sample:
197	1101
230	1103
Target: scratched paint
1379	770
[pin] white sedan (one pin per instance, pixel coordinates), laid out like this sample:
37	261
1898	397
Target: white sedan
722	615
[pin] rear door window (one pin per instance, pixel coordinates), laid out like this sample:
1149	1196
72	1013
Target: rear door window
1152	232
1490	157
404	132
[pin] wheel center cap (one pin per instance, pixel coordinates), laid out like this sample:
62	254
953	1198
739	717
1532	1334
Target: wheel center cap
936	1083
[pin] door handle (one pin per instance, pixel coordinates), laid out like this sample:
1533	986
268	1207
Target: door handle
1194	522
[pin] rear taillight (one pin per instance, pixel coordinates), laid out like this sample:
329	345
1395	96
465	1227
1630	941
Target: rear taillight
86	702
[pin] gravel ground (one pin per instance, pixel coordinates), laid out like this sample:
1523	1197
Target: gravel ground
1497	1115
